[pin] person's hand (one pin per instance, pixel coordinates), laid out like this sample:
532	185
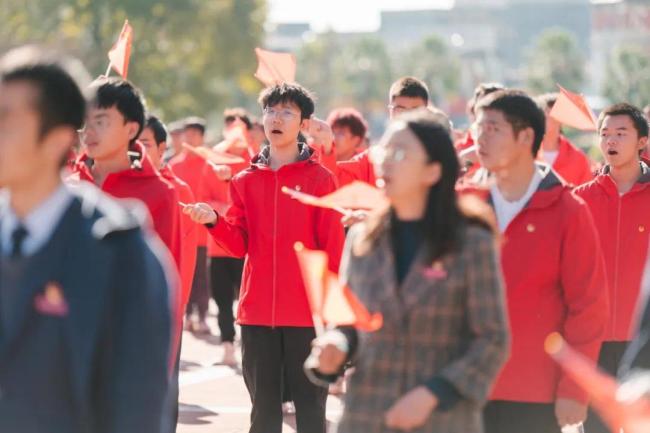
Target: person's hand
201	213
321	133
569	412
223	172
330	356
412	410
353	217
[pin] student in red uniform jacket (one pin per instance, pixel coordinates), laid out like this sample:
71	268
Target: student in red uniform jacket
552	265
263	225
116	162
190	168
566	159
406	94
349	129
619	199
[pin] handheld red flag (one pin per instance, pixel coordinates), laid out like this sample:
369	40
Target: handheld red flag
120	53
614	406
213	156
275	68
354	196
331	302
572	110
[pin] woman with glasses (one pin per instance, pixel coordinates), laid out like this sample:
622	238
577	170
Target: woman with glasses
429	266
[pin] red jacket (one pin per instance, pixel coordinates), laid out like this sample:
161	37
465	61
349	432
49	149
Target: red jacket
146	185
623	224
555	282
219	198
572	164
189	235
357	168
263	224
190	169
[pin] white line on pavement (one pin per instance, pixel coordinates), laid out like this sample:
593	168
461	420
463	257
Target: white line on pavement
204	375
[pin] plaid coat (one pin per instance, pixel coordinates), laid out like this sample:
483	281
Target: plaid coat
447	319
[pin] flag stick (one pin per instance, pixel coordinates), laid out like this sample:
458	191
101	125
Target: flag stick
108	70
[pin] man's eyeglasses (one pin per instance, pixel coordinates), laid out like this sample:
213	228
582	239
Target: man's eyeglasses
282	114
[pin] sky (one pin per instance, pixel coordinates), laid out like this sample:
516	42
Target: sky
359	15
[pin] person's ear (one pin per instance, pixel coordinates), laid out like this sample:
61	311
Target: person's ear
133	130
526	137
304	125
643	142
58	142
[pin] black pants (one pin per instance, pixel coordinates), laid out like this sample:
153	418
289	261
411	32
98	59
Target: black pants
268	354
609	360
225	278
520	417
200	296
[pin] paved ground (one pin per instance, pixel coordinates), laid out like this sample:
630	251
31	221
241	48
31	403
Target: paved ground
213	398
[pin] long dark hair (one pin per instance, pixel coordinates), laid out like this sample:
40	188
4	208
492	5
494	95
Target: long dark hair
445	215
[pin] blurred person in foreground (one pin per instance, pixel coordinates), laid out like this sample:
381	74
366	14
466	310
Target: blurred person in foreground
85	323
429	265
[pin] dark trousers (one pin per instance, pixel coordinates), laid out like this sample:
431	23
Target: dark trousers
200	296
169	426
609	360
520	417
225	279
269	355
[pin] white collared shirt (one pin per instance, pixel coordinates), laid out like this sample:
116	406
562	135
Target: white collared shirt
506	210
40	223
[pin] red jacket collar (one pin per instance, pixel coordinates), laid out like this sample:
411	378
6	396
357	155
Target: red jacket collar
307	155
548	191
608	184
141	165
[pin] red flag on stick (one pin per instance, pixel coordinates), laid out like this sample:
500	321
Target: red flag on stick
212	156
614	406
331	302
354	196
120	53
275	68
572	110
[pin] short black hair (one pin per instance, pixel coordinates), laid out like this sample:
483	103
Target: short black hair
519	110
292	93
158	128
232	114
124	96
625	109
59	101
195	122
410	87
481	91
547	100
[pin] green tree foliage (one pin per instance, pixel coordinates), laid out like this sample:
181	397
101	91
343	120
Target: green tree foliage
433	62
188	56
555	59
628	76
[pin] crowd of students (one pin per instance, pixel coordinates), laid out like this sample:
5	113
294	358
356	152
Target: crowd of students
115	231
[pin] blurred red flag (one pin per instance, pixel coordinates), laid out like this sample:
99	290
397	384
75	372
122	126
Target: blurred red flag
330	301
120	54
275	68
354	196
236	138
615	408
572	110
212	156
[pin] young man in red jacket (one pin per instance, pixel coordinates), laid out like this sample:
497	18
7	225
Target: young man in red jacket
116	162
263	224
190	168
557	151
405	94
619	199
349	129
552	265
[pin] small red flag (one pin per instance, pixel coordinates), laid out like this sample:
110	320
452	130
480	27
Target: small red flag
218	158
275	68
120	53
613	405
354	196
330	301
572	110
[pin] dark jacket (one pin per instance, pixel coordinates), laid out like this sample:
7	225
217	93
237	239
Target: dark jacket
88	348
